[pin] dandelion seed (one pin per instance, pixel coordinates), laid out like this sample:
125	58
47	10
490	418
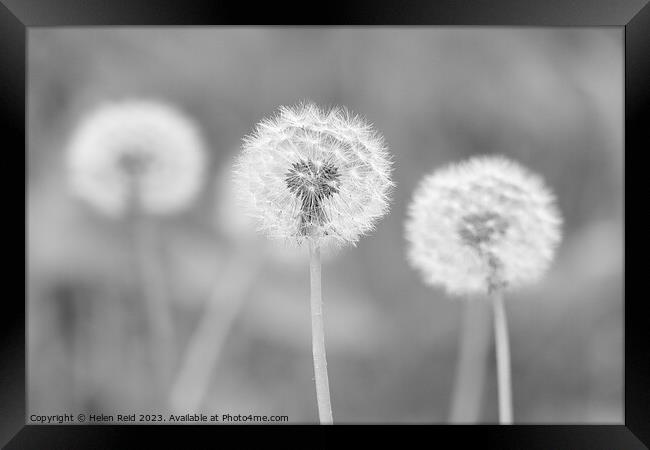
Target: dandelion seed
232	221
136	153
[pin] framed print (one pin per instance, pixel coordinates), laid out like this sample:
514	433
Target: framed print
384	215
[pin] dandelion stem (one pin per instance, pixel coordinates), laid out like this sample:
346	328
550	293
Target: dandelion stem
206	345
503	358
157	305
471	366
318	336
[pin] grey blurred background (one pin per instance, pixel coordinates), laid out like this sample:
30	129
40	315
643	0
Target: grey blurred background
548	98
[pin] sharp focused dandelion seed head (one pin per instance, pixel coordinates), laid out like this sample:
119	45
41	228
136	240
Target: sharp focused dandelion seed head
482	225
314	173
238	227
136	153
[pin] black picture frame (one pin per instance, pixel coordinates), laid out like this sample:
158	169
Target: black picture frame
16	16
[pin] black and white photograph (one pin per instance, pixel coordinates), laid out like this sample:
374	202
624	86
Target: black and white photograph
325	225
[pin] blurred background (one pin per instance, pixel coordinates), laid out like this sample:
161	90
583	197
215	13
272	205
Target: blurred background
548	98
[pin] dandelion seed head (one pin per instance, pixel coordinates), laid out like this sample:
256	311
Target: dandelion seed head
313	173
482	225
237	226
136	153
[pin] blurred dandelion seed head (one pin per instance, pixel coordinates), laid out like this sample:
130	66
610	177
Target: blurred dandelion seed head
314	173
481	225
136	153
